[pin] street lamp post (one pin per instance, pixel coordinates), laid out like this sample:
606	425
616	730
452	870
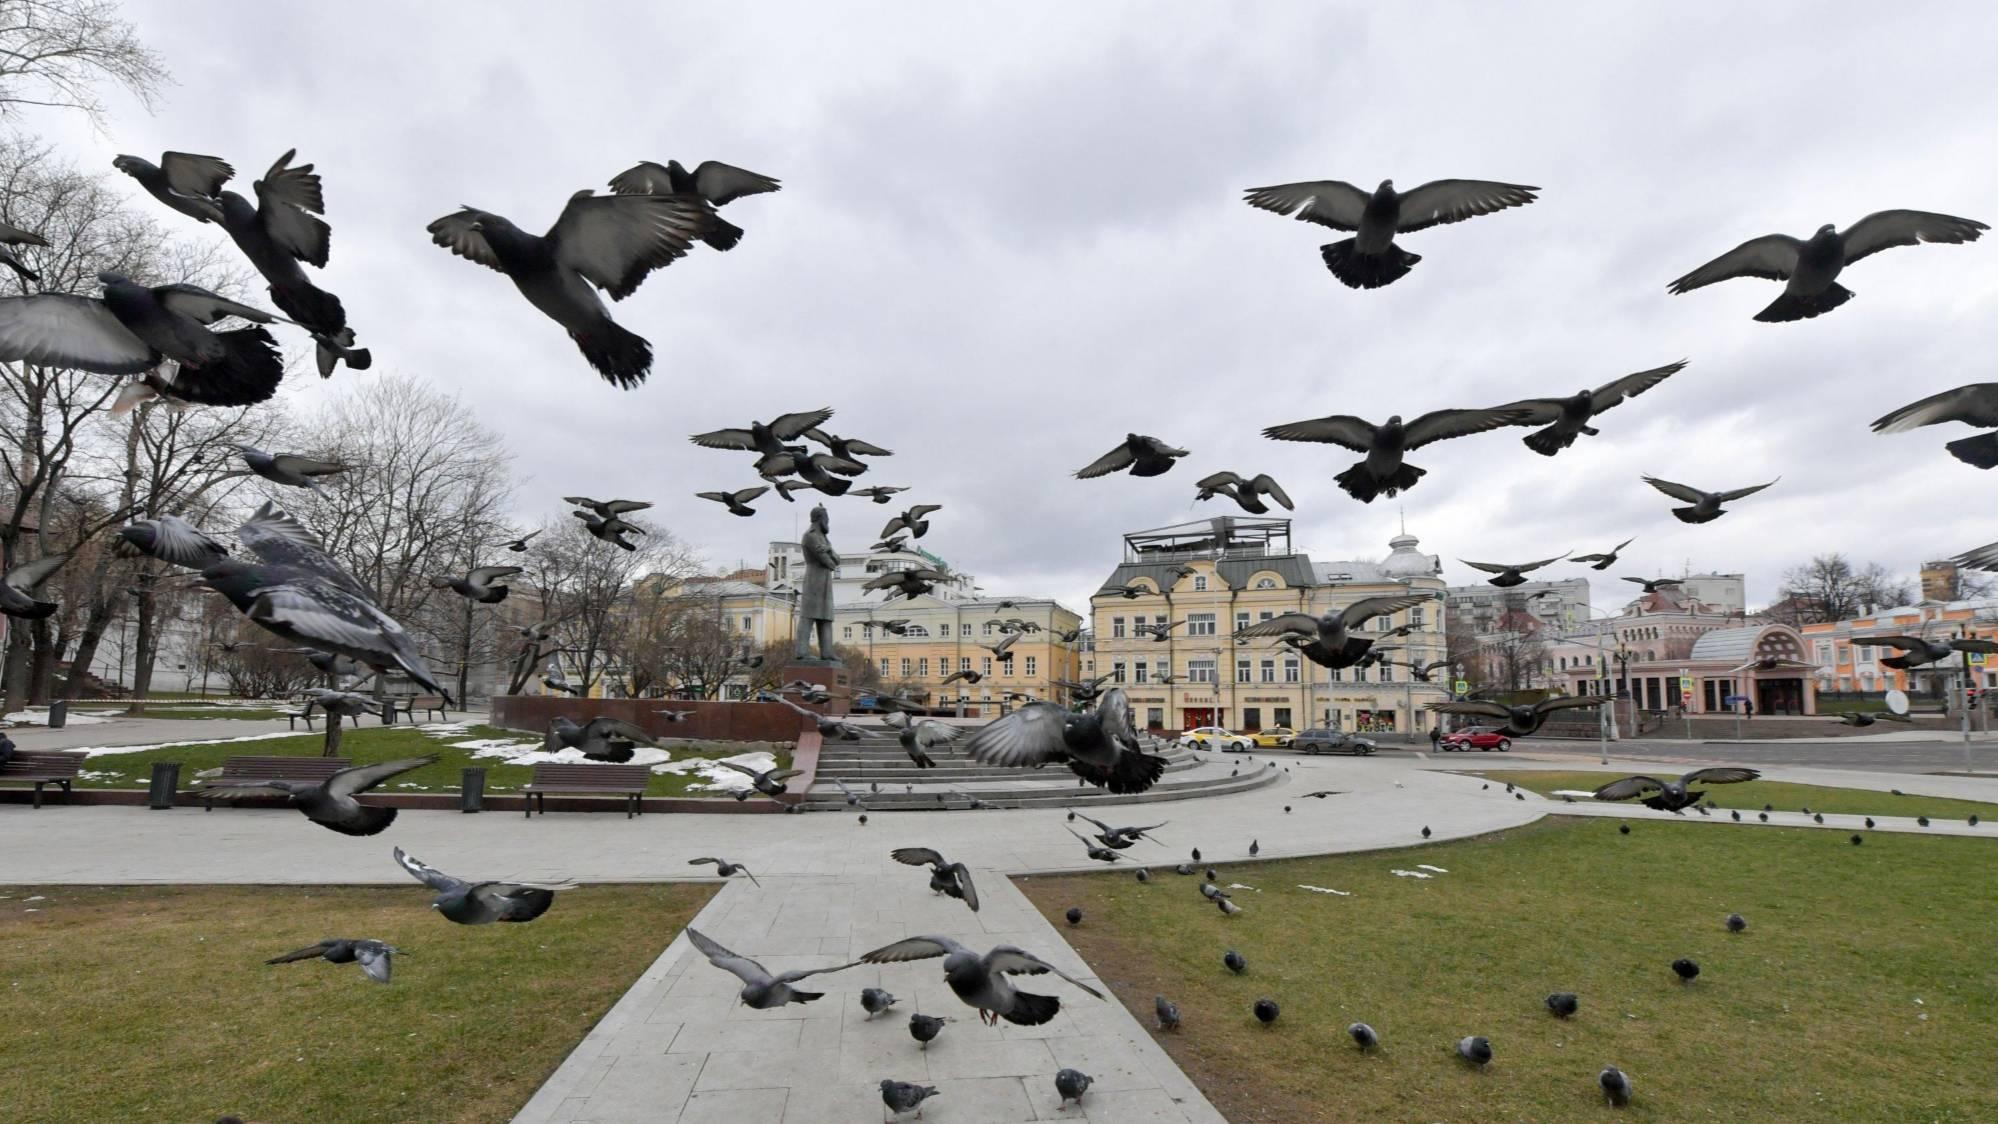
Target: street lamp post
1605	722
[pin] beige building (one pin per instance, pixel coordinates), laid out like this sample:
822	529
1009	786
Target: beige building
1242	570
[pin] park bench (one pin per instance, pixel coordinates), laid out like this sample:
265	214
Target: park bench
42	768
628	781
408	708
305	770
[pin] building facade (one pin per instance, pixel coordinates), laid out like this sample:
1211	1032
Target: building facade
1209	580
1846	667
1483	608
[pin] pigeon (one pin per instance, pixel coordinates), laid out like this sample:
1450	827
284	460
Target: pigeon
980	981
1235	962
1099	746
611	242
288	469
1857	840
919	736
1564	1004
373	956
1516	721
480	903
1972	820
20	583
760	989
341	704
718	183
863	819
611	530
1004	645
171	539
135	329
850	449
1476	1049
11	236
769	782
1383	472
1623	829
1320	794
1869	821
947	878
1120	838
1922	821
894	544
1869	717
1144	456
873	1000
1073	916
1605	560
879	493
1371	259
910	583
1070	1084
1425	831
481	585
1653	585
1706	506
607	509
298	592
554	680
902	1096
737	502
1736	923
925	1028
185	181
768	441
1144	875
1686	970
519	545
1918	650
1332	632
1567	418
330	803
1166	1011
1809	269
1673	795
1763	816
1265	1010
1247	492
1255	848
1363	1036
726	869
1975	404
828	726
914	521
1509	575
967	676
1099	853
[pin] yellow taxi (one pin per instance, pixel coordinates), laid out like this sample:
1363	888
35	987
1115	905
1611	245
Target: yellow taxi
1216	737
1274	737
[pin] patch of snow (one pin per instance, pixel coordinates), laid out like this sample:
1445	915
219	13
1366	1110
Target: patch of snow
445	729
44	897
105	750
99	775
39	716
1412	874
1435	869
718	778
1324	890
530	752
1573	792
1240	886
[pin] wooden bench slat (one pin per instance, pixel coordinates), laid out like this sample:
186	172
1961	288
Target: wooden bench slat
629	781
43	767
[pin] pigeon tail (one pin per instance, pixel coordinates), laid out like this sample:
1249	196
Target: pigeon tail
923	760
1365	486
1981	450
1031	1010
315	309
372	820
622	357
617	755
248	373
36	610
1367	271
806	996
1548	441
1133	773
1695	515
721	233
1803	306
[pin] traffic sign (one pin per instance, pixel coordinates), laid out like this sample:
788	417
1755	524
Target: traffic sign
1685	684
1463	687
1731	700
1976	658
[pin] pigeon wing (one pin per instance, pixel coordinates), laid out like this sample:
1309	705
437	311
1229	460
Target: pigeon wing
1217	481
1772	257
961	875
619	507
1535	411
604	726
1976	404
1884	230
287	201
1720	775
1479	708
1282	624
790	427
910	948
1487	567
428	875
1676	491
916	856
616	240
1017	961
204	307
485	574
1447	201
721	183
192	174
1031	735
309	952
60	330
30	575
181	543
643	178
278	540
305	466
361	778
1740	493
1628	787
1118	458
1268	486
725	439
742	967
1904	643
1343	430
1630	386
1367	608
374	958
1441	425
1569	702
459	233
1332	203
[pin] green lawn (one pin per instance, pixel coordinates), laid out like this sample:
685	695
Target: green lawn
1752	795
246	713
1864	988
153	1003
372	743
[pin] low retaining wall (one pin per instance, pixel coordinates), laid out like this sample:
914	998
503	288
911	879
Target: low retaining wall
710	720
496	803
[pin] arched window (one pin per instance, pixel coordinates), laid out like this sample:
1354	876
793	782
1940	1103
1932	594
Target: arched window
1200	583
1266	583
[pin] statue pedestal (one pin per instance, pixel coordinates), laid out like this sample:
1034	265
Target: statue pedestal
821	673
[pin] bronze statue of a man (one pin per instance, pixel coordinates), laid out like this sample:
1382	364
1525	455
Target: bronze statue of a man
815	594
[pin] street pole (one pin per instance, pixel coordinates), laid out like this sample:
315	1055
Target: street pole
1963	703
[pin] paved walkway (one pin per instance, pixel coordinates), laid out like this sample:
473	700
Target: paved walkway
143	731
679	1048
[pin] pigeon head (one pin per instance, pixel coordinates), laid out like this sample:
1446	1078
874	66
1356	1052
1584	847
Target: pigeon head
107	278
231	578
963	967
1386	188
1828	228
131	165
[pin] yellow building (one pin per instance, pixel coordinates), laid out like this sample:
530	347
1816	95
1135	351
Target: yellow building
1213	578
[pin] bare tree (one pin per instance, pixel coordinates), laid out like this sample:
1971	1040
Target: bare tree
1831	588
57	53
589	586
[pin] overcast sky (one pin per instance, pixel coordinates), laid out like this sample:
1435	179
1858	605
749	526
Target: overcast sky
1008	235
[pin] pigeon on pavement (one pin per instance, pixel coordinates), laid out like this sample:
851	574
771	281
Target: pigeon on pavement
288	469
1567	418
1371	259
903	1096
1809	269
1383	472
330	803
373	955
873	1000
980	981
925	1028
760	989
1099	746
947	878
480	903
1673	795
1070	1084
1144	456
718	183
611	242
1706	506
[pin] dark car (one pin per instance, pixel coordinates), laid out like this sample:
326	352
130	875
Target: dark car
1331	741
1486	738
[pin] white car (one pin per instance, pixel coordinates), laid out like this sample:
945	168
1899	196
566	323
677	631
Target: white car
1216	737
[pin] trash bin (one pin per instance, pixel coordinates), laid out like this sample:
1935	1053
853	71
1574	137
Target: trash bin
472	790
166	781
58	714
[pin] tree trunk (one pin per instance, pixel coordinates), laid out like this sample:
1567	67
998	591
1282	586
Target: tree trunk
465	655
15	672
146	647
42	663
333	724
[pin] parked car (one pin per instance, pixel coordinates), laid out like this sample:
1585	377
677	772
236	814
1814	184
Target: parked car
1333	741
1216	737
1486	738
1277	736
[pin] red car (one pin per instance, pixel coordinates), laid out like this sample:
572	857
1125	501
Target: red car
1486	738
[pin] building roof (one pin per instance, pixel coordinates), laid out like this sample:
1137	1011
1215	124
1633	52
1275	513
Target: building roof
1732	643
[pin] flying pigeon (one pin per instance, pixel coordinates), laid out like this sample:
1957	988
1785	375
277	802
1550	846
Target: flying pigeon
11	236
1567	418
519	545
947	878
849	449
1332	632
611	242
919	736
718	183
134	329
1615	1085
480	903
769	782
611	530
1383	472
1166	1011
873	1000
1673	795
1371	259
1476	1049
171	539
1070	1084
1976	404
187	182
925	1028
1918	650
481	585
1094	850
980	981
280	231
1653	585
768	440
287	468
1809	269
1706	506
760	989
1509	574
1099	746
914	521
879	493
341	704
1518	721
1603	561
910	583
726	869
1144	456
20	583
331	802
737	502
1120	838
903	1096
1247	492
373	956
